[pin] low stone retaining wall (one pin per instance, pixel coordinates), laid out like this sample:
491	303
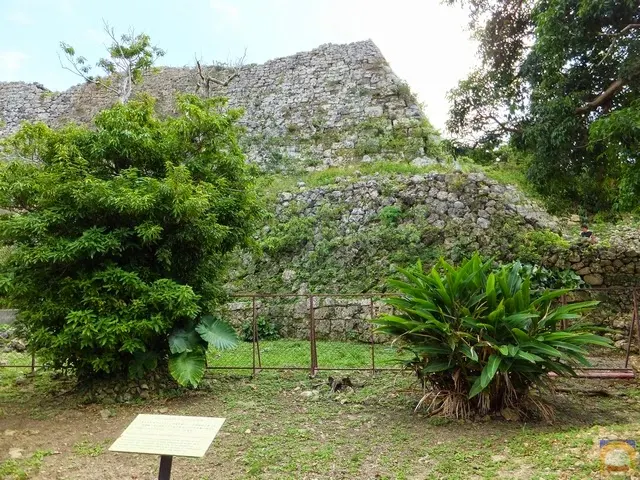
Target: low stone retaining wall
335	318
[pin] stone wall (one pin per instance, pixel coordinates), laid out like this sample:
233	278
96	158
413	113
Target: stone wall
461	213
347	318
7	316
335	317
612	262
350	235
310	109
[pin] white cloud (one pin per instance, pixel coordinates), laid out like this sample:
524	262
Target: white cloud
230	13
18	17
10	64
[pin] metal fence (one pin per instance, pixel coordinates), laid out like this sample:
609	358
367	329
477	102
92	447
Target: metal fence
311	332
316	332
354	345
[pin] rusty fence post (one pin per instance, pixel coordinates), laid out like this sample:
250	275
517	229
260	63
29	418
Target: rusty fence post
636	317
257	361
33	363
254	327
563	322
312	337
635	322
373	344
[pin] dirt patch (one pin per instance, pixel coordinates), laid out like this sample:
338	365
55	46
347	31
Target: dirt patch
275	430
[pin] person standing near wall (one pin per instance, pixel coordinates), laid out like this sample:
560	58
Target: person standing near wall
588	234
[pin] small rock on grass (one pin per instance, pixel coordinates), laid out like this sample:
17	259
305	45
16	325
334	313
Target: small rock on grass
106	413
510	415
15	453
309	393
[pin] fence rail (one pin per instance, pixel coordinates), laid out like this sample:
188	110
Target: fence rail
317	339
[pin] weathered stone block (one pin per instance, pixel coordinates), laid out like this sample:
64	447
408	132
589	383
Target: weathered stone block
594	279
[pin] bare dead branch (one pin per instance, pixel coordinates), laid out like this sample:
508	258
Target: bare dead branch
231	69
226	82
199	69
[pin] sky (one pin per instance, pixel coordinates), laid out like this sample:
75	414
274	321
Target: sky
426	43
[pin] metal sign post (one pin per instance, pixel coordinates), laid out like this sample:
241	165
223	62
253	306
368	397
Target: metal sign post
165	467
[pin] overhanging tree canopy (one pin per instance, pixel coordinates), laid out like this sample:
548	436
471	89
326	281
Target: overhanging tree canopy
555	74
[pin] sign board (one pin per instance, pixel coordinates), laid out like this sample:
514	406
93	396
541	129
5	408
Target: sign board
172	435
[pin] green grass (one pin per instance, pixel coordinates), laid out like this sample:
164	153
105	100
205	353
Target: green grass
11	375
271	185
297	354
22	468
273	353
510	173
506	173
273	429
89	449
370	433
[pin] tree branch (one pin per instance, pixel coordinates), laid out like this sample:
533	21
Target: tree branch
207	78
226	82
505	127
611	90
127	81
625	29
613	42
85	77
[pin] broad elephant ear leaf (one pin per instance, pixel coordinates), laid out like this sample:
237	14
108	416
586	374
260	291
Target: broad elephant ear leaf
142	363
217	333
187	368
182	341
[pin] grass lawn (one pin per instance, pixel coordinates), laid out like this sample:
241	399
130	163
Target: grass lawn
296	354
284	425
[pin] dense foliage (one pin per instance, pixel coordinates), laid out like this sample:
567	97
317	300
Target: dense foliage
266	329
481	339
560	80
120	232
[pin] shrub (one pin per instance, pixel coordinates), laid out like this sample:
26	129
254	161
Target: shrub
390	215
289	236
267	329
120	234
531	246
542	278
481	340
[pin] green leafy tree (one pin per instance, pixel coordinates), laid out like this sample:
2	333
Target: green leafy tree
480	340
550	71
130	57
120	234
